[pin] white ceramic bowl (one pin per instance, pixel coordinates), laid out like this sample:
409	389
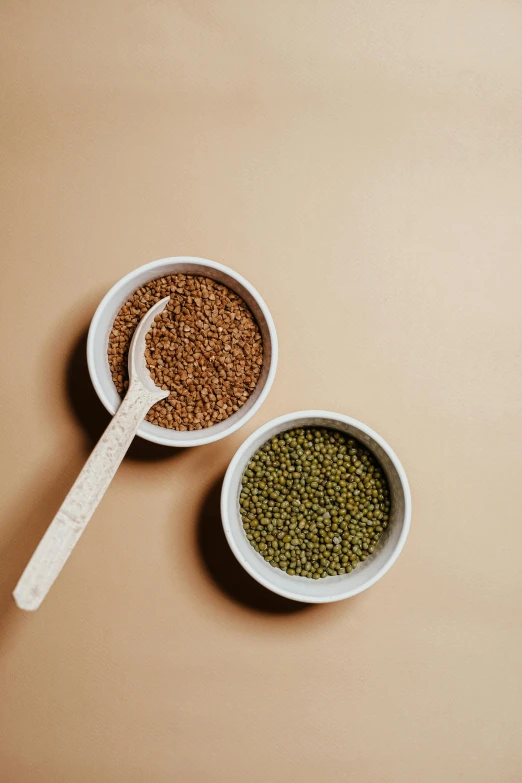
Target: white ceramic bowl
332	588
107	310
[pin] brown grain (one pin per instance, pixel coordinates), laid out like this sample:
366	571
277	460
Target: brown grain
205	348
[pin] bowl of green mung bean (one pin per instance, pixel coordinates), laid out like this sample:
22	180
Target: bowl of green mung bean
316	506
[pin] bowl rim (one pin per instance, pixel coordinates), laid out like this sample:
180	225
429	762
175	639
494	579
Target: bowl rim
288	418
121	284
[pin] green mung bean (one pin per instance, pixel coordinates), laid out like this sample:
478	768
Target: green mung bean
314	502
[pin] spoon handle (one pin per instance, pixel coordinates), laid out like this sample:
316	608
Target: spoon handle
78	507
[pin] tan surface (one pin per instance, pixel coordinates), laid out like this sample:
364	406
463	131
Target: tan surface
361	163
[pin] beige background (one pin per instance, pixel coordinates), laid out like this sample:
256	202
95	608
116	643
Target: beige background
360	163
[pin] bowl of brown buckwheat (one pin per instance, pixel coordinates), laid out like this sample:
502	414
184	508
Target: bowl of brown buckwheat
214	348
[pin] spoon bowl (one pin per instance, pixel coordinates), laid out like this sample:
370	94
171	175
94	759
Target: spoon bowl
138	370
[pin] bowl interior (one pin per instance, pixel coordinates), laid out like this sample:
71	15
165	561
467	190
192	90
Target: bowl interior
104	319
331	588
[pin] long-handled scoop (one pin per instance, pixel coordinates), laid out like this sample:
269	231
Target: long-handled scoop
80	504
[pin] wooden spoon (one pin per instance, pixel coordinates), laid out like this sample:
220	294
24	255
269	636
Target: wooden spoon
80	504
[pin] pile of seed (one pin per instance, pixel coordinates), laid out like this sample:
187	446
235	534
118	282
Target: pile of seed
314	502
205	348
